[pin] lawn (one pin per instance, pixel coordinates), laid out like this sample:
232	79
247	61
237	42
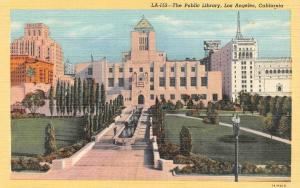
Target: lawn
206	141
248	121
28	134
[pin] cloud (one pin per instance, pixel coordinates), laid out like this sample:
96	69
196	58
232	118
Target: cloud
60	22
90	29
171	21
16	26
195	34
266	24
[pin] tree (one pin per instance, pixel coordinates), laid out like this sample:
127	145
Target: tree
287	106
51	100
68	99
84	96
63	100
185	98
190	104
97	98
79	95
273	105
178	104
270	124
284	128
50	141
92	97
211	113
103	95
75	95
34	100
185	141
57	97
279	105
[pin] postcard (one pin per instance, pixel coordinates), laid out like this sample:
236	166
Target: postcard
178	94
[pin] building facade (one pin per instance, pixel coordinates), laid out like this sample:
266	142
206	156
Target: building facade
24	69
243	70
145	73
36	43
69	68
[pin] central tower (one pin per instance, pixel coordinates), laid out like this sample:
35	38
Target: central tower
143	47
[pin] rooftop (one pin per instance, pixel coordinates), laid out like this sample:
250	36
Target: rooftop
143	25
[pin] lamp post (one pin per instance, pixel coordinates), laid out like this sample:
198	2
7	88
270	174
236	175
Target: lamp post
236	127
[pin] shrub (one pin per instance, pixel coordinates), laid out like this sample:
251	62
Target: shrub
21	163
178	105
185	141
181	159
168	150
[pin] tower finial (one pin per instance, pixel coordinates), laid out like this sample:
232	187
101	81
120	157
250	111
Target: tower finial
238	30
92	58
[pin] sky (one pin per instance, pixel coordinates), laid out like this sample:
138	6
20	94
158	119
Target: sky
180	33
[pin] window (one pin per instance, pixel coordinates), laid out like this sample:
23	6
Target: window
121	82
152	97
141	69
193	69
120	69
194	96
172	96
130	80
151	69
151	87
90	71
151	79
162	96
130	69
110	82
182	69
110	70
172	81
202	96
182	81
215	97
193	81
162	82
161	69
172	69
203	81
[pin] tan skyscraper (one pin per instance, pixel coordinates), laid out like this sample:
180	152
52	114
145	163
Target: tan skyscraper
36	43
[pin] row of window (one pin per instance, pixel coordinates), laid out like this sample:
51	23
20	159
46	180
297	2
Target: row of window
183	81
183	96
162	69
279	71
162	82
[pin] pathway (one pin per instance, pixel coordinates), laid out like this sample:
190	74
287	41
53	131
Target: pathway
242	128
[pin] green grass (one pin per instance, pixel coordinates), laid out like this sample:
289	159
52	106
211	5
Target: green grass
206	140
248	121
28	134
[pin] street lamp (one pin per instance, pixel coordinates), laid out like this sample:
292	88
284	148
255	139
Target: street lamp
236	128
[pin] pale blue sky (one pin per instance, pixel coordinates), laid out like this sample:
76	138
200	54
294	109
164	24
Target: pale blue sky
180	33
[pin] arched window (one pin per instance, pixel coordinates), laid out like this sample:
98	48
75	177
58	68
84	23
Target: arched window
267	72
270	71
286	71
278	71
274	71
